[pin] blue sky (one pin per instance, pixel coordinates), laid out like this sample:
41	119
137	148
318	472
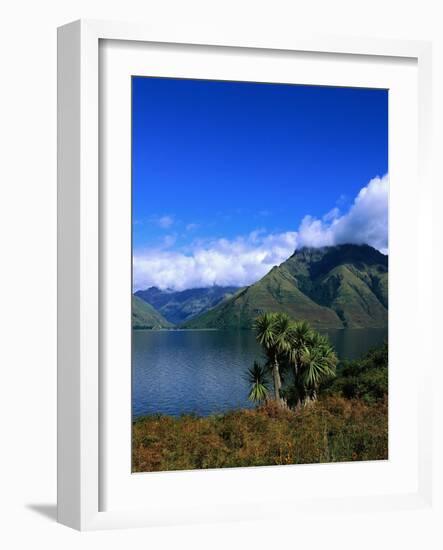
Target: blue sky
232	172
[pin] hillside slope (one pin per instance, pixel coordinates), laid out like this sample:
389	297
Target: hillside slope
145	316
331	287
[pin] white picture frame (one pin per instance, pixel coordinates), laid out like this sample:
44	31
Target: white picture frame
82	414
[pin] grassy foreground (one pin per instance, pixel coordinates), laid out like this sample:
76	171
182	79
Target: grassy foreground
333	429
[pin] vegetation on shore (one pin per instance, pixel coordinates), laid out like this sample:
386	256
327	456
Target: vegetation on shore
291	348
334	430
365	379
348	421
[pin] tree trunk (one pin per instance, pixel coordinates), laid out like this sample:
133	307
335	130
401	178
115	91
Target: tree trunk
297	367
277	383
296	371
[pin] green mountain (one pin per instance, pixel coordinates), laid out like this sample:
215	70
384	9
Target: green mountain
180	306
145	316
331	287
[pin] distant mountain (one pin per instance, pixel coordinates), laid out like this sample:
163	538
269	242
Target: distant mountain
180	306
331	287
145	316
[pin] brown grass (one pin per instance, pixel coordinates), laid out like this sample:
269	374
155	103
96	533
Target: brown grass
333	429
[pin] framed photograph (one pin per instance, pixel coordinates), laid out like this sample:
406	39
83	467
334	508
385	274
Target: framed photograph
236	255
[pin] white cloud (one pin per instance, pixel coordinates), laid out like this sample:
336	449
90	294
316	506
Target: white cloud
165	221
238	262
245	259
366	222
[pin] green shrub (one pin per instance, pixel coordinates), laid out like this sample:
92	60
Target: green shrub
365	379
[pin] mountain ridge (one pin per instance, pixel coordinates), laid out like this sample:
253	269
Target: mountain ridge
144	316
343	286
179	306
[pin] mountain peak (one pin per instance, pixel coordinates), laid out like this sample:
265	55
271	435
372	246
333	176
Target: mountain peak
342	246
331	287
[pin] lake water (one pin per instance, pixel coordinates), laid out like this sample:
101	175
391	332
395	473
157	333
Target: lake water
202	371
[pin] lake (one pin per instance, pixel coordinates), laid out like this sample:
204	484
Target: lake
201	371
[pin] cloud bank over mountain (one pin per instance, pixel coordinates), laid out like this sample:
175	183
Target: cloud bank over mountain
245	259
366	222
222	262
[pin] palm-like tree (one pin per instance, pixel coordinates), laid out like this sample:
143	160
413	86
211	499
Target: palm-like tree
257	377
301	338
273	334
294	345
318	363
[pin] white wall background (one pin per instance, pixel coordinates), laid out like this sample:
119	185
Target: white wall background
28	271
